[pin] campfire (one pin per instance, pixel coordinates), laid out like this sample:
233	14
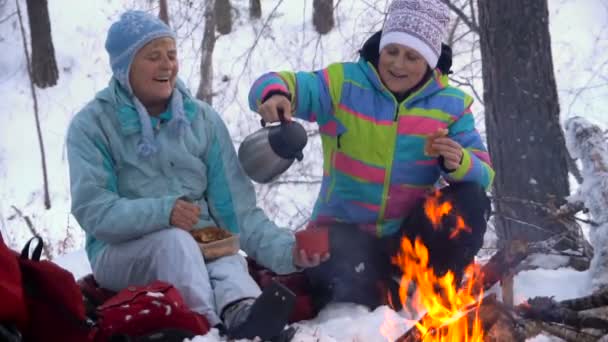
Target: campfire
452	312
445	305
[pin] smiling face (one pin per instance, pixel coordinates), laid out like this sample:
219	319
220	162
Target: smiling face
401	68
153	74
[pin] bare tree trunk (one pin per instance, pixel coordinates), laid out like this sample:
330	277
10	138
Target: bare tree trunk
205	87
163	11
47	197
525	139
44	66
323	15
255	9
223	16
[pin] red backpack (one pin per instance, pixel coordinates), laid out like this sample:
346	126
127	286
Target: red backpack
13	311
45	301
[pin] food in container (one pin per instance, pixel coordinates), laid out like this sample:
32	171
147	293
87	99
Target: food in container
216	242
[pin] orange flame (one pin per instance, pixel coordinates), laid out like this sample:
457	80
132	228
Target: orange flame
436	211
445	305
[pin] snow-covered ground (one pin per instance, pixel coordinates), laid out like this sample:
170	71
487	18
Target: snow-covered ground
350	322
579	42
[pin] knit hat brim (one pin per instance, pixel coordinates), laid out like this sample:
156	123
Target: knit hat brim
412	42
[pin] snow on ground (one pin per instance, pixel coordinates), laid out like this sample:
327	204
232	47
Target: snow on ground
353	323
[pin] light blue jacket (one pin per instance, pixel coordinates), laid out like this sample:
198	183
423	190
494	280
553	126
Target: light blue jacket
118	196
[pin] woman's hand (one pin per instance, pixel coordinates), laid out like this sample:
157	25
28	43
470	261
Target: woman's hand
450	150
270	109
302	260
185	215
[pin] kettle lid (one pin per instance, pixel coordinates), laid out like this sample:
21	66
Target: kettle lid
288	139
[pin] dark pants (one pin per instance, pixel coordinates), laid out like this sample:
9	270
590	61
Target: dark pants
360	268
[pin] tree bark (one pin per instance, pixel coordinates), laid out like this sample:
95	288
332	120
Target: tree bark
255	9
163	11
525	139
205	87
44	66
323	15
223	16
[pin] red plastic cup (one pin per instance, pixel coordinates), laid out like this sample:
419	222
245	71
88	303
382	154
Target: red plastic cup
313	240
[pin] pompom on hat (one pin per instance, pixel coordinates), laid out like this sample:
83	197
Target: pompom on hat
125	38
417	24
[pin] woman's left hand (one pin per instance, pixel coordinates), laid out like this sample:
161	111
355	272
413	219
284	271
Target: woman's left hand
450	150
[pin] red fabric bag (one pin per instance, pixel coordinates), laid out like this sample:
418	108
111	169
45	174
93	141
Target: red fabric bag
54	302
143	310
13	309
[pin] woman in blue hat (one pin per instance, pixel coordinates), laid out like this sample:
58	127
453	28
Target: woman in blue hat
148	164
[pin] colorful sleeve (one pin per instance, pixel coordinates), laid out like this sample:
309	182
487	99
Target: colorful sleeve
313	94
476	165
232	203
96	204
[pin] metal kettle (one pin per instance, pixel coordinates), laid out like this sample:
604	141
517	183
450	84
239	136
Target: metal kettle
268	152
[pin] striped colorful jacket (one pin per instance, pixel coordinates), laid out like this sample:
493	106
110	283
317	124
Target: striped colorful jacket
374	165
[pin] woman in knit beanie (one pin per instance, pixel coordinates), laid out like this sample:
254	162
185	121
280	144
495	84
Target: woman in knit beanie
148	164
391	128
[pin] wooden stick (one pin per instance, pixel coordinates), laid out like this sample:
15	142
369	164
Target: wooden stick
566	333
507	283
595	300
547	310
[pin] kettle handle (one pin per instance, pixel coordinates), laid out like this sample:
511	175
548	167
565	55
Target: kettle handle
281	118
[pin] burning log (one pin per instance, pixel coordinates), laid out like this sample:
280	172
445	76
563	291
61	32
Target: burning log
493	316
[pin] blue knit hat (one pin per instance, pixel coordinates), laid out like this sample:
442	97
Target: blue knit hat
125	38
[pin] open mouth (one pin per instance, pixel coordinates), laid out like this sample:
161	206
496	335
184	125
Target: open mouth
162	79
397	76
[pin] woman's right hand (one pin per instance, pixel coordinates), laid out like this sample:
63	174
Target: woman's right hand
269	110
303	260
185	215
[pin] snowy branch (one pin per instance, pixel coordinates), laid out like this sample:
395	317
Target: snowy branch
586	142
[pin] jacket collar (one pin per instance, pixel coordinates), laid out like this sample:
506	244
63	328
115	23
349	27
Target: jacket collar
435	83
128	118
369	56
